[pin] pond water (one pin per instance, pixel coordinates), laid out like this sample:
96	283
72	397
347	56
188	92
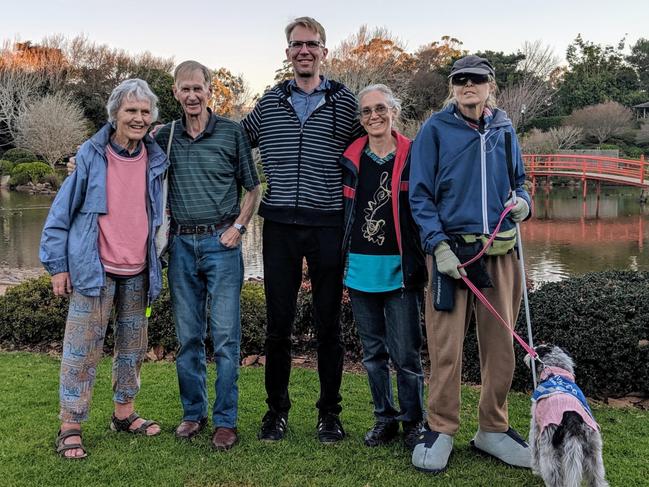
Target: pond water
567	236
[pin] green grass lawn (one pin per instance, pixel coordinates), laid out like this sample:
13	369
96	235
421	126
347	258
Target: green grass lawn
28	425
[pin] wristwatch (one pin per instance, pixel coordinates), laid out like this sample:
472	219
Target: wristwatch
240	228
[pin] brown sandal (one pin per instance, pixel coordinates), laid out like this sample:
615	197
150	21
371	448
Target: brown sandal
117	424
62	447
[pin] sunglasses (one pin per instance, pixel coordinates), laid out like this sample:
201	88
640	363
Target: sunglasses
464	78
310	45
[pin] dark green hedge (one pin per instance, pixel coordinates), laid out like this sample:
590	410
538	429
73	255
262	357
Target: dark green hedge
602	319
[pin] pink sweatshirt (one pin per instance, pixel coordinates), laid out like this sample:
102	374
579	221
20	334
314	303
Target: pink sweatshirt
123	230
549	410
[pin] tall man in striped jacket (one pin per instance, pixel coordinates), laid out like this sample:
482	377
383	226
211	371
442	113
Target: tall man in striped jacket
301	127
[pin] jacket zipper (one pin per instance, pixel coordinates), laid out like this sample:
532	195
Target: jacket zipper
299	153
483	182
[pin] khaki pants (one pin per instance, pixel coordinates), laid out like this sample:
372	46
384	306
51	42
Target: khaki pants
446	331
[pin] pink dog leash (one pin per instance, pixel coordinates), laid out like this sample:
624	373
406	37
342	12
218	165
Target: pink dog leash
483	299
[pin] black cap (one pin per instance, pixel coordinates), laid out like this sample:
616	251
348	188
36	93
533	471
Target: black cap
472	64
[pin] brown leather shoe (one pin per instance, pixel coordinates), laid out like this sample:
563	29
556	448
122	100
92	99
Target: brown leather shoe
224	438
188	429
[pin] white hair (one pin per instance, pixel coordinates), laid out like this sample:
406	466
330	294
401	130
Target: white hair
131	88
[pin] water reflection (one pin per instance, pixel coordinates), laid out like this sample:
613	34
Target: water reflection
21	222
567	236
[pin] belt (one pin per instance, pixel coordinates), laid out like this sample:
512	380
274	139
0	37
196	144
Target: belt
209	228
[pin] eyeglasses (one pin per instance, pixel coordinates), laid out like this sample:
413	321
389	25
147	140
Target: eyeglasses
380	110
464	78
310	45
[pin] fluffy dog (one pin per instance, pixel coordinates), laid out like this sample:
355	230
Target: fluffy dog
565	440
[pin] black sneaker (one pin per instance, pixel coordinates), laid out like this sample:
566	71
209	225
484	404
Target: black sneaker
382	432
330	430
273	427
411	430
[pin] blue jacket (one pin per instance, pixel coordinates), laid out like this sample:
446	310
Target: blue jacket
69	239
459	180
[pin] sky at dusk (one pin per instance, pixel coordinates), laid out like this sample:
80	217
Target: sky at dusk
247	36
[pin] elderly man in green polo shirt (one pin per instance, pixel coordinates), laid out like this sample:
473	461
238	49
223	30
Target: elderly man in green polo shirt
210	163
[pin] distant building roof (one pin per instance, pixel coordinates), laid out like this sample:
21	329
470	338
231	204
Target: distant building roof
642	105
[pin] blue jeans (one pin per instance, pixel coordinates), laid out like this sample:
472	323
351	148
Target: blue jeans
205	280
389	327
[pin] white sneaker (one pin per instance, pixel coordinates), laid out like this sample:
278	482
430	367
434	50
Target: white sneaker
508	447
431	451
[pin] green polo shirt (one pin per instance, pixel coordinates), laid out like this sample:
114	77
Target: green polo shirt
207	173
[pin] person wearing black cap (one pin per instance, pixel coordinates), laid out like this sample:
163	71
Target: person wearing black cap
465	166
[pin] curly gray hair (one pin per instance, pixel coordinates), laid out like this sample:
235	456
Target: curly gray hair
131	88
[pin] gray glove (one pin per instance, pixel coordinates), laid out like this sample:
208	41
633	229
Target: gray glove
520	210
447	261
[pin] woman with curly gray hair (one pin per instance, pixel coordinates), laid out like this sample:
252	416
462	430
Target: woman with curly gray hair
97	244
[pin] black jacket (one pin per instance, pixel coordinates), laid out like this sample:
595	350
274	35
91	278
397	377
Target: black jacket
413	264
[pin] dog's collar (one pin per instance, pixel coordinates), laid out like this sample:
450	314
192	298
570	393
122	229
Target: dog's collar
550	370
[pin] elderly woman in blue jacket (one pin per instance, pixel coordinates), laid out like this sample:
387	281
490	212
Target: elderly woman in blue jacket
465	168
385	270
98	246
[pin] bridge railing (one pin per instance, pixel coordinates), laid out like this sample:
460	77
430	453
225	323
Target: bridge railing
586	165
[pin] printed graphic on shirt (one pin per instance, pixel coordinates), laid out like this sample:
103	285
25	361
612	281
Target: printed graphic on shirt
373	228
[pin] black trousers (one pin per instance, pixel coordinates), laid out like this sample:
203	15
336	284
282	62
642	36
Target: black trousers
284	247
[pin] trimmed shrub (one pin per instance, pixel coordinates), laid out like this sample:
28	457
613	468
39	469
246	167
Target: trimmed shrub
14	155
253	318
31	315
601	319
304	332
29	172
53	180
5	167
24	160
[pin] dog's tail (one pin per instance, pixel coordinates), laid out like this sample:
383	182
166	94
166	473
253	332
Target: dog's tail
570	437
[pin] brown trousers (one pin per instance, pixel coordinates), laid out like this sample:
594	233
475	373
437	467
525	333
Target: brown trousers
446	331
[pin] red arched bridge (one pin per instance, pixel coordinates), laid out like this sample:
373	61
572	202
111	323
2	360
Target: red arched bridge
625	172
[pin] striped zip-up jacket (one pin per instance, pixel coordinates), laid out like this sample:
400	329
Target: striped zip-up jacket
300	162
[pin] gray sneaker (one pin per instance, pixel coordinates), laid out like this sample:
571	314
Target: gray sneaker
431	451
508	447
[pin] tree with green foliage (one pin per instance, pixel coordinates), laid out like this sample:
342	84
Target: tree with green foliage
161	83
505	65
596	74
639	59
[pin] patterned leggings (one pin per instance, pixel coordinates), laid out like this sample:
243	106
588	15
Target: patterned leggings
83	342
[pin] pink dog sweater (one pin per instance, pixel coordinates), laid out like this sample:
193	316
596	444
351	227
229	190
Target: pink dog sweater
549	409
